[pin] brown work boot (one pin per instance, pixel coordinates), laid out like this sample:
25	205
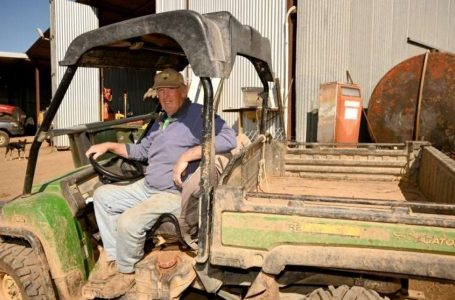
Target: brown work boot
114	287
103	269
100	274
103	272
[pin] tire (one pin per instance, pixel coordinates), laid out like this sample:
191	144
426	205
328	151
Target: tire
21	274
4	138
344	292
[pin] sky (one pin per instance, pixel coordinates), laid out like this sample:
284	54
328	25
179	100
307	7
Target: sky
18	22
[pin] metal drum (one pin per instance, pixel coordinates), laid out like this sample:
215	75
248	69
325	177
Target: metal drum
393	108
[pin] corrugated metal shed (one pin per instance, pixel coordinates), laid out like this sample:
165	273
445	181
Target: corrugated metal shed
68	20
268	17
167	5
366	37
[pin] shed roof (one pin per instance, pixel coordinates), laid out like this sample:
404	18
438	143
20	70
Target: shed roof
12	58
40	51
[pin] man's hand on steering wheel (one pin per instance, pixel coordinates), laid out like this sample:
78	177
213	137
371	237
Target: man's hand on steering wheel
107	174
97	150
100	149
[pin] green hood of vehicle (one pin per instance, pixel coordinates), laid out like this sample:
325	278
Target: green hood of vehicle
46	214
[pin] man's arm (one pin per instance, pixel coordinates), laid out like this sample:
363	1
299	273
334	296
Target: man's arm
99	149
225	139
180	166
139	151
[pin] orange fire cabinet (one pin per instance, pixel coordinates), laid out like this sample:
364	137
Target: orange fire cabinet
340	111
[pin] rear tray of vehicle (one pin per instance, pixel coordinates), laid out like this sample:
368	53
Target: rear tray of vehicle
272	231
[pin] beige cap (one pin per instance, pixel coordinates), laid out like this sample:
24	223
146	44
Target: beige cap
169	78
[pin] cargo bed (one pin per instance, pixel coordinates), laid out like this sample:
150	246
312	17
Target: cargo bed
412	172
383	207
359	189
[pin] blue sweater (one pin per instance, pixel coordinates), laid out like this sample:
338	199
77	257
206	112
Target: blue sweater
162	146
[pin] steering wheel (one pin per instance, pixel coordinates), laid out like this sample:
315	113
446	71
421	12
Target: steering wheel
125	169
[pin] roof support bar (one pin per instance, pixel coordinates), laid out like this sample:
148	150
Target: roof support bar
206	170
45	126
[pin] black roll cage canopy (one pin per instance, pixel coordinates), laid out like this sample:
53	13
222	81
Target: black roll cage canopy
209	43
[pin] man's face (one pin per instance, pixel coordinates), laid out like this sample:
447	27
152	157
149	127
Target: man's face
172	98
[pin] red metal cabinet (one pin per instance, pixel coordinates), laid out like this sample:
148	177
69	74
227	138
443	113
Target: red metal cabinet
340	112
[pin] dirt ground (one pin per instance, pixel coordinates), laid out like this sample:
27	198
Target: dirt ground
52	163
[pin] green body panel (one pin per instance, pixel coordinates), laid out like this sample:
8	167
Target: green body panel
47	215
265	231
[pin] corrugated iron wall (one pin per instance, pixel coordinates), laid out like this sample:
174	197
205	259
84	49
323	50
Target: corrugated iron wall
366	37
268	17
167	5
68	20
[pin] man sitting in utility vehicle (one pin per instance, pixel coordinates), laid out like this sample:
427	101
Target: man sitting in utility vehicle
172	150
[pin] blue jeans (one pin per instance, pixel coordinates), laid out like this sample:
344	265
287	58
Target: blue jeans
124	213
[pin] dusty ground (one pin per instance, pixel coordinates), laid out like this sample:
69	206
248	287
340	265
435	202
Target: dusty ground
12	170
53	163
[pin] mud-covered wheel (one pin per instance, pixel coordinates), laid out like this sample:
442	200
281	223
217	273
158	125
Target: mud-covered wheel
344	292
21	274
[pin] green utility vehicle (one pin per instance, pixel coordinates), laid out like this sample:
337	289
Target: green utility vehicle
280	221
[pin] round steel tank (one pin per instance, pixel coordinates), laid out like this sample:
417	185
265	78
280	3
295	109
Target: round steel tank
393	112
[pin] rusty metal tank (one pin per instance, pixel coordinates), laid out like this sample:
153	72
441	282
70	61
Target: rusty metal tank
393	106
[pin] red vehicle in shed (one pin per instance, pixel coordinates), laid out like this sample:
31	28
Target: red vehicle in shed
11	122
